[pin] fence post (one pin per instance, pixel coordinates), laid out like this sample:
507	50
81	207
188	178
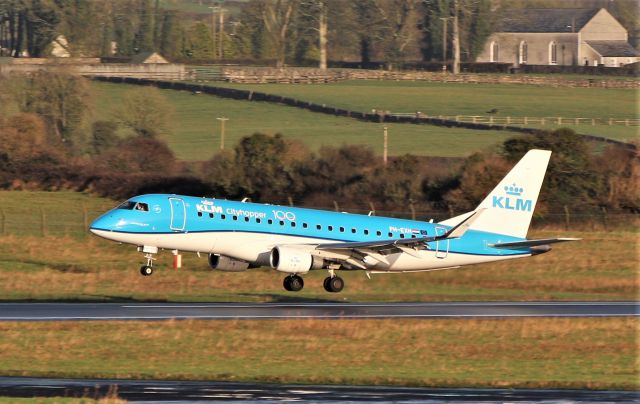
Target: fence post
604	218
85	220
43	222
2	221
567	218
559	120
336	206
290	199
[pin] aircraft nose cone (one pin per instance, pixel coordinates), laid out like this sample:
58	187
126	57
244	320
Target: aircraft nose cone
102	223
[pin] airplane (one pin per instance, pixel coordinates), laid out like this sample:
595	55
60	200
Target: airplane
239	235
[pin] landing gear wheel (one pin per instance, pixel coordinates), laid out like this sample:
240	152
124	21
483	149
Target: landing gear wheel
293	283
146	270
333	285
326	283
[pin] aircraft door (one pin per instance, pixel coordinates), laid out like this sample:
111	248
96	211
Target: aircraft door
442	246
178	214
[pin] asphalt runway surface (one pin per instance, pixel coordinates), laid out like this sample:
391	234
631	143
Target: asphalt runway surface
251	311
154	391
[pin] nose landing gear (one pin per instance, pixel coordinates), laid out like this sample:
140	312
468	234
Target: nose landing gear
147	270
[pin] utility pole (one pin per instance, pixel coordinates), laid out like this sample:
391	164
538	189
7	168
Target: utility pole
385	147
222	121
456	39
444	43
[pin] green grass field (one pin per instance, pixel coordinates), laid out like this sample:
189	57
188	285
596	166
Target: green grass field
533	353
196	134
82	267
472	99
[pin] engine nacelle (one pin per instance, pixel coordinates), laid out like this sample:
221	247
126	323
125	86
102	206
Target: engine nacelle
227	264
294	260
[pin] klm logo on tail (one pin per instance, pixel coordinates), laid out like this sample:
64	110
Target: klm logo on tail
512	200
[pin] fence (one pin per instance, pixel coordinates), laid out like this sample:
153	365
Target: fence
524	120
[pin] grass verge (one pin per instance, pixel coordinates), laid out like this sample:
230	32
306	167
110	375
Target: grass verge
531	353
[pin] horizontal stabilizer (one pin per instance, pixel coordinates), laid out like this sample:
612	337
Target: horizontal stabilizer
516	245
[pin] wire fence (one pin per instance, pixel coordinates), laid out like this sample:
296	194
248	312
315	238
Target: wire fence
54	222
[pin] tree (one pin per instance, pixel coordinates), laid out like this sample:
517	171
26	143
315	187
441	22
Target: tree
277	16
200	42
62	99
145	111
143	40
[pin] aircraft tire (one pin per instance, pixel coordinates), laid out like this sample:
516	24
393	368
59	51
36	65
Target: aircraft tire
296	283
146	270
326	284
336	284
287	283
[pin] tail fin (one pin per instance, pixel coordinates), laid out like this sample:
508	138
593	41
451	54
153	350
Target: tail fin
509	207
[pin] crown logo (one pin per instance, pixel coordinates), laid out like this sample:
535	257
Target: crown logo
513	190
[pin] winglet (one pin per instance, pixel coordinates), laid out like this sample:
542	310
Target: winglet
461	228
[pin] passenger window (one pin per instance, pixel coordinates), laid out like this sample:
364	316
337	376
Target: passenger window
378	233
413	236
341	229
246	218
270	221
281	223
304	225
235	218
401	235
330	228
319	227
353	231
199	214
258	220
211	215
390	234
223	217
366	232
293	224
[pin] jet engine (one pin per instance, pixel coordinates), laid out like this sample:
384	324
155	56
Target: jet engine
294	260
227	264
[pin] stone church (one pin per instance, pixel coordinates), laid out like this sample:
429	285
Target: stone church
589	37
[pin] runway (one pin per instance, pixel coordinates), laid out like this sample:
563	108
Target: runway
253	311
156	390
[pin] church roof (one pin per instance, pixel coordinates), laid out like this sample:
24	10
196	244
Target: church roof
613	48
545	19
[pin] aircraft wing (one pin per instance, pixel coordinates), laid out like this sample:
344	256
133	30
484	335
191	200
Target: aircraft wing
419	242
516	245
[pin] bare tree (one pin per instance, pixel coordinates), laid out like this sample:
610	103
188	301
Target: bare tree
277	16
400	20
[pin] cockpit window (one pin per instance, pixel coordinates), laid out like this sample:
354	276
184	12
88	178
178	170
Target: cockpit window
131	205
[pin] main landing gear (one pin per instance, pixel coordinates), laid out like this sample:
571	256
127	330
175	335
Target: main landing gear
294	283
333	284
